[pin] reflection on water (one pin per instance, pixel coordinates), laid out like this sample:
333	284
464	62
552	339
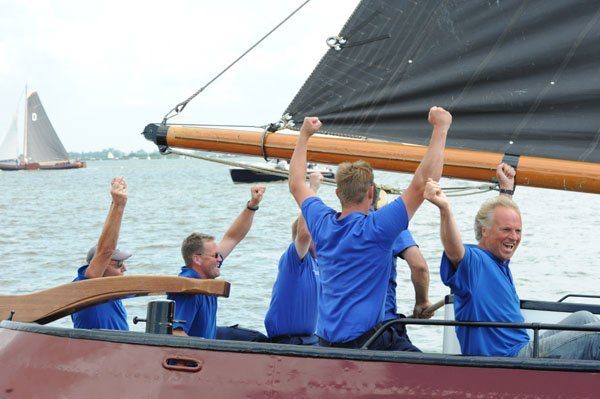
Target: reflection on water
51	218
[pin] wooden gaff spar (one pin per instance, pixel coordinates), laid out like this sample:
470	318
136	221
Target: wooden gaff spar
463	164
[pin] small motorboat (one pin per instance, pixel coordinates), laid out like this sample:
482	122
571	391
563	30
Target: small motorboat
274	170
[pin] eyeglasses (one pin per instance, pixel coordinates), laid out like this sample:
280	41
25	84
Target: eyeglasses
217	256
119	263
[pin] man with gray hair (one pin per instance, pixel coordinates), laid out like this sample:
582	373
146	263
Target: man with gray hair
105	260
483	287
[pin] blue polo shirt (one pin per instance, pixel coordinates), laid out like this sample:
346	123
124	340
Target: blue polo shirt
354	265
484	291
199	311
109	315
293	308
403	241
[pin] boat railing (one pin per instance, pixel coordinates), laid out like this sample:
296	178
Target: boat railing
578	296
536	327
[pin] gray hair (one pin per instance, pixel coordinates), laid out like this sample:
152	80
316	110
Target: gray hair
485	215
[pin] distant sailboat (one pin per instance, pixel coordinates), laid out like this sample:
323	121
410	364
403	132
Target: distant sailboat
42	149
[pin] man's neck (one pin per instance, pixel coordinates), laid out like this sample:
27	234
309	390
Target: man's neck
362	207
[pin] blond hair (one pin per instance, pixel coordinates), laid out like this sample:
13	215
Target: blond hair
193	244
485	215
353	181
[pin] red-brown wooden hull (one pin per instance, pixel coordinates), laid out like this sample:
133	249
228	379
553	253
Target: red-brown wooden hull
38	365
14	167
63	165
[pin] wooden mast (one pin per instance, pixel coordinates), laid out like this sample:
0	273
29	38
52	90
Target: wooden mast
26	117
462	164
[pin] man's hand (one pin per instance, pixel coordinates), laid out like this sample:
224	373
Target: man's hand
118	191
315	179
434	194
419	311
310	126
506	176
257	195
439	117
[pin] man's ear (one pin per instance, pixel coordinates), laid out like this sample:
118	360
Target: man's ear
371	193
337	193
484	232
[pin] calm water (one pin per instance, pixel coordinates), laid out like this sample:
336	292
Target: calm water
49	219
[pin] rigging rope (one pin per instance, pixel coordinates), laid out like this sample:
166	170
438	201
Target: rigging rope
449	191
179	107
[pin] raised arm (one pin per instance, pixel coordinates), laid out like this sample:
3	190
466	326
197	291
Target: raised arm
109	237
241	225
298	162
449	232
506	179
303	238
419	275
433	162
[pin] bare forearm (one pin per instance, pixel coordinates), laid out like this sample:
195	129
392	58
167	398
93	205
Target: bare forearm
107	242
450	235
432	164
420	281
298	166
240	226
419	273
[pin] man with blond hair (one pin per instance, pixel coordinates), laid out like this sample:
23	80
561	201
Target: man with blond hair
354	247
292	314
483	286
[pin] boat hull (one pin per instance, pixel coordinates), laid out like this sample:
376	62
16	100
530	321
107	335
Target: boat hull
14	167
99	364
241	175
63	165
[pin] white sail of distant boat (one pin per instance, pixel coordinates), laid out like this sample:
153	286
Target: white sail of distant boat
9	146
42	149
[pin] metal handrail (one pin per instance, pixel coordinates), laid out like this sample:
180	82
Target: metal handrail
578	296
536	327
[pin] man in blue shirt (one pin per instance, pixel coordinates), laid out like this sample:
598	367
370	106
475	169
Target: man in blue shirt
354	247
105	260
203	258
405	247
483	286
292	314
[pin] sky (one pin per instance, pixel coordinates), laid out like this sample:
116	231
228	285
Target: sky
105	69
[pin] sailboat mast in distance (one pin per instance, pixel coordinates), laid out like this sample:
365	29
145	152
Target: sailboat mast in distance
25	117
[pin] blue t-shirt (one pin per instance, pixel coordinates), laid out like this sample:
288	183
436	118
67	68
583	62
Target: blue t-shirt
404	240
354	265
110	315
484	291
293	308
199	311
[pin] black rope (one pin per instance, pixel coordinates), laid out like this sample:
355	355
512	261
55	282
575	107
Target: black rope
179	107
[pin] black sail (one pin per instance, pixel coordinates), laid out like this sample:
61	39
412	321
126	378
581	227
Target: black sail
520	77
43	144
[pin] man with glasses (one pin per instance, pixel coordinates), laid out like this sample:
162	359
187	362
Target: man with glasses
105	260
203	258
